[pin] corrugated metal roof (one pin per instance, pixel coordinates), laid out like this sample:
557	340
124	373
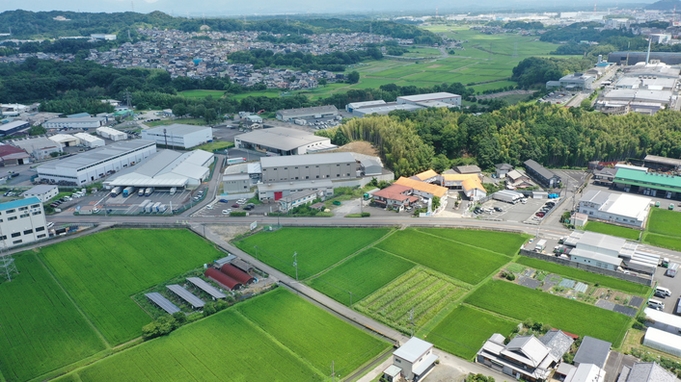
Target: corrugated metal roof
413	349
163	302
648	179
176	129
310	159
281	138
186	295
204	286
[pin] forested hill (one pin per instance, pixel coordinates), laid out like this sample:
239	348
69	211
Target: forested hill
664	5
25	24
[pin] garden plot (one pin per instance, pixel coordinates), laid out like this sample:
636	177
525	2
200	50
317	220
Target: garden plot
415	297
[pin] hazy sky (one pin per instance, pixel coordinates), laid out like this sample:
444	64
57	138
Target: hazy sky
233	7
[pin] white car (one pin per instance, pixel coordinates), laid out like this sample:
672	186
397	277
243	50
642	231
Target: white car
209	207
241	201
50	225
227	211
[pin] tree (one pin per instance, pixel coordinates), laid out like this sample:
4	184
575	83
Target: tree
353	77
436	202
180	109
322	82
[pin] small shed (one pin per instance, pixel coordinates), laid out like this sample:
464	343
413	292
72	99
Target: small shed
392	373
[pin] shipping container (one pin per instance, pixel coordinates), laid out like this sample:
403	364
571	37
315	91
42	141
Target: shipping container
155	207
128	191
148	207
115	191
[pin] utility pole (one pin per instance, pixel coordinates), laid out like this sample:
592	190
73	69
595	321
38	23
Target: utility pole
295	263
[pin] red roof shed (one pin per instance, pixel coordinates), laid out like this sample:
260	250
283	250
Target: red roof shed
237	274
222	279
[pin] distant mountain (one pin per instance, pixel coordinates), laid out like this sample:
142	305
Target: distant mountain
665	5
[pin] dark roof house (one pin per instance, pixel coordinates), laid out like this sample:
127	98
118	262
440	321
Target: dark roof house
592	350
646	372
541	174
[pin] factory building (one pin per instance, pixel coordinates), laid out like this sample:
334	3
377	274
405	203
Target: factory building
75	123
98	163
623	209
65	140
639	181
241	177
112	134
43	192
14	127
179	135
441	99
578	81
39	148
89	140
166	169
609	252
12	156
283	141
21	222
317	112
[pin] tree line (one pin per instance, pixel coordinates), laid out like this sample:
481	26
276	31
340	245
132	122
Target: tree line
553	136
334	62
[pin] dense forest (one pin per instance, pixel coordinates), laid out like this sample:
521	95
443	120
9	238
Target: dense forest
25	24
335	62
536	71
554	136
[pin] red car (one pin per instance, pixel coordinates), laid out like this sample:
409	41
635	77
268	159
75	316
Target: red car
235	206
540	214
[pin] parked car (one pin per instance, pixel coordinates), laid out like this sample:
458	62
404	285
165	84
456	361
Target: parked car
540	214
226	212
224	201
498	209
235	205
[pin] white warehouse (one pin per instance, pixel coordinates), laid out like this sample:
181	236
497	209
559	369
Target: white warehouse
43	192
113	134
179	135
21	222
89	140
74	123
432	100
624	209
95	164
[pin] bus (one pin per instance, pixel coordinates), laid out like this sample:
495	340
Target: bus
231	161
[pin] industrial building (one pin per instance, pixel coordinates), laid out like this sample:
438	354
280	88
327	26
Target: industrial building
283	141
317	112
239	178
659	163
89	140
179	135
112	134
631	58
615	208
13	127
39	148
75	123
358	105
609	252
441	99
576	81
541	174
640	181
65	140
299	198
98	163
283	176
43	192
21	222
384	109
12	156
166	169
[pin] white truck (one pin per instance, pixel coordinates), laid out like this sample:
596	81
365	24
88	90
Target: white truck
540	246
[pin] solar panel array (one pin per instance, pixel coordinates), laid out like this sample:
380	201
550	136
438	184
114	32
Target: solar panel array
162	302
204	286
186	295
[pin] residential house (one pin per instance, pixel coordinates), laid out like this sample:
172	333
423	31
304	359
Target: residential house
395	196
470	184
428	176
516	179
502	169
415	359
646	372
541	174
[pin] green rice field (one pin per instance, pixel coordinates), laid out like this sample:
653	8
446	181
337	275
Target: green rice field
613	230
505	243
226	344
665	222
312	333
40	328
464	330
587	277
463	262
101	271
419	293
522	303
316	248
360	276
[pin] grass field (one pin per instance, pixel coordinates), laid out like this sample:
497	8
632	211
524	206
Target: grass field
463	331
360	276
613	230
218	145
522	303
102	271
506	243
225	346
317	248
40	328
588	277
186	121
312	333
662	241
424	291
665	222
201	93
463	262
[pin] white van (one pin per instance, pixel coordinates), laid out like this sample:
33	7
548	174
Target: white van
662	292
655	304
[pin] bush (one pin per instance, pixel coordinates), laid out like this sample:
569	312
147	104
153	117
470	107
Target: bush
366	214
161	327
237	213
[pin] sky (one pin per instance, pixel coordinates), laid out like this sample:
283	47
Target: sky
267	7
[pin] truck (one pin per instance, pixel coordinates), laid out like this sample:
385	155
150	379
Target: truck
140	192
144	204
128	191
540	246
508	196
155	207
148	207
115	192
162	208
671	270
173	190
148	191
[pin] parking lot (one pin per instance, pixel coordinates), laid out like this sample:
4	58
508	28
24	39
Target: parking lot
129	205
518	212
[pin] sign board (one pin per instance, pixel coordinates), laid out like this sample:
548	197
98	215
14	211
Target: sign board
254	225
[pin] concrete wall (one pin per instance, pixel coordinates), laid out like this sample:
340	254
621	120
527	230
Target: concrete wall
589	268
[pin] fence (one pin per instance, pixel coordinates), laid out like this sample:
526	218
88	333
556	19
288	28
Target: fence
589	268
